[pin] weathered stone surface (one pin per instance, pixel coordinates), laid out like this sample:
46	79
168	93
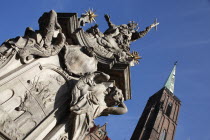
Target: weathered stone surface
79	60
93	97
29	95
64	74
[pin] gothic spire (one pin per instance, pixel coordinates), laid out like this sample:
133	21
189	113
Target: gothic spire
171	79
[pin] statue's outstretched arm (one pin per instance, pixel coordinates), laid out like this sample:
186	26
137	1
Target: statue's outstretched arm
110	24
141	34
121	109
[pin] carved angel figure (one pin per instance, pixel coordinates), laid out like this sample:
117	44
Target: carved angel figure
92	98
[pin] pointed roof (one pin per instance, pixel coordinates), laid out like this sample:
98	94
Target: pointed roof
171	79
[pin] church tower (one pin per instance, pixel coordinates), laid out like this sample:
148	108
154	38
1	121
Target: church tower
159	118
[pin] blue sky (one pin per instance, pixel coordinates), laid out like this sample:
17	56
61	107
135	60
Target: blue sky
183	35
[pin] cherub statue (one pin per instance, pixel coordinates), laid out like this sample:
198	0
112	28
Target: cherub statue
92	98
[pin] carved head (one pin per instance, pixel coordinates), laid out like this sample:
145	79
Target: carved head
133	26
114	97
123	28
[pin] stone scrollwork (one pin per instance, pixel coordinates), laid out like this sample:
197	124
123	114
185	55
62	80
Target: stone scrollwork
47	41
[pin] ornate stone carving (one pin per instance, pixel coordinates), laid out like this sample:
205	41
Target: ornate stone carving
116	39
42	90
32	95
47	41
11	129
91	98
65	70
17	125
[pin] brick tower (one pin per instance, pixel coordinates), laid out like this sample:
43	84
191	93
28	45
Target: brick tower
159	118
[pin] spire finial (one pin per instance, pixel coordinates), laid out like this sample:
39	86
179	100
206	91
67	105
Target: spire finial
171	79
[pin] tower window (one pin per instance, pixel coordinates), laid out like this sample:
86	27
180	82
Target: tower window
168	110
163	135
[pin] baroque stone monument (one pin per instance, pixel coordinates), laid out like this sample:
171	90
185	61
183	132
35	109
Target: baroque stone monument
56	80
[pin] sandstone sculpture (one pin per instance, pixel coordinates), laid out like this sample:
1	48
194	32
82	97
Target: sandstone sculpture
62	73
92	98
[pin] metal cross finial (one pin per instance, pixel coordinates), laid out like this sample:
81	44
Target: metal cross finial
155	22
175	62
